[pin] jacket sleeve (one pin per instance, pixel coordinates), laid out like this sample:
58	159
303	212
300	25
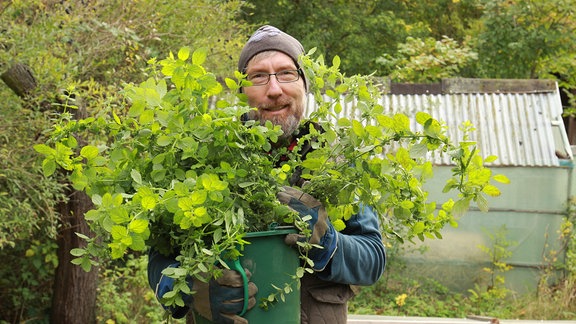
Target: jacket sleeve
360	257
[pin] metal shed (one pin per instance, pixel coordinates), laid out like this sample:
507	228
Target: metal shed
520	121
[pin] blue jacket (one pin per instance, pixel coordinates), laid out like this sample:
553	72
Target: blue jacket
360	257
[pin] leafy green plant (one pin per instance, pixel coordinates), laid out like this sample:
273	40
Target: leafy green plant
374	159
427	60
484	299
124	295
28	270
180	176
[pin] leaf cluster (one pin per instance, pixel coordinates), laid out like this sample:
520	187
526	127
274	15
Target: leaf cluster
372	159
183	174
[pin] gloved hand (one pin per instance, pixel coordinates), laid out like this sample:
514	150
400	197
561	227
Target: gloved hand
219	300
323	233
222	299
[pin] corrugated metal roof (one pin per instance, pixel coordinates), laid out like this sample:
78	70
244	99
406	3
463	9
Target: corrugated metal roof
522	128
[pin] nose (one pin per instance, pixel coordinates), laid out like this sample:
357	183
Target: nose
274	88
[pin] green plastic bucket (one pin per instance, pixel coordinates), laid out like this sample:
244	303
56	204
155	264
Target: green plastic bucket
271	262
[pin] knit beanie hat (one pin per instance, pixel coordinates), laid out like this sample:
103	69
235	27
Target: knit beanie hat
271	38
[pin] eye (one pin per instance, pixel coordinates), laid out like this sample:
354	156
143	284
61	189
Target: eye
258	77
287	75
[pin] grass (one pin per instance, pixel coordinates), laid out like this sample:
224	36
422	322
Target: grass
398	294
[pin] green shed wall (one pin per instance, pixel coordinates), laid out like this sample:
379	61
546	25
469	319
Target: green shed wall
532	208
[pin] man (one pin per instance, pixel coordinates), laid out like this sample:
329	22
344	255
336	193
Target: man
354	256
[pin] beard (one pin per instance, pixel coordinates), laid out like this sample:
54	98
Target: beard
288	122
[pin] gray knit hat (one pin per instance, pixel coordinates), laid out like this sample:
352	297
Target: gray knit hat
271	38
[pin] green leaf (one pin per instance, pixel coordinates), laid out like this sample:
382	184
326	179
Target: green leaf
407	204
374	131
400	123
148	202
422	117
418	150
119	215
231	84
338	108
184	53
146	117
344	122
490	159
78	252
48	167
118	232
432	128
92	215
300	272
138	243
138	225
460	207
86	265
482	203
313	163
89	152
211	182
136	176
116	118
501	178
44	149
199	56
195	71
198	197
357	128
137	108
491	190
418	228
164	140
77	261
336	61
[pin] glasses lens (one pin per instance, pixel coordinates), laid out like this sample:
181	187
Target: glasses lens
260	78
287	76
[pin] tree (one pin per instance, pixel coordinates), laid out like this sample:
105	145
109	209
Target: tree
525	38
80	53
356	31
427	60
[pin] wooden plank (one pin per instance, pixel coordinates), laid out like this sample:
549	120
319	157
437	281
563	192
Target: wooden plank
464	85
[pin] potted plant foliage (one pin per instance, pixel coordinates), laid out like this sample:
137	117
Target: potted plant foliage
178	167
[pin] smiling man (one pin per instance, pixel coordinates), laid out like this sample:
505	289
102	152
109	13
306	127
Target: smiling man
354	256
270	61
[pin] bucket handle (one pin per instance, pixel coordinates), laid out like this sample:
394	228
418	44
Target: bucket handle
235	265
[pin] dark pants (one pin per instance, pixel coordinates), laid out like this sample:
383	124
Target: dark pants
323	302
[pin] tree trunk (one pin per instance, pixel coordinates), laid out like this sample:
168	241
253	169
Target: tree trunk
20	79
74	292
74	295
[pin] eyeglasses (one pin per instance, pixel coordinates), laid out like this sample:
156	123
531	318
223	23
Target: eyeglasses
286	76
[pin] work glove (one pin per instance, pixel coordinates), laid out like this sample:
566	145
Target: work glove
323	233
219	300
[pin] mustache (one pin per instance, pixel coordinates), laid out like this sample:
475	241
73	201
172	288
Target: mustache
276	104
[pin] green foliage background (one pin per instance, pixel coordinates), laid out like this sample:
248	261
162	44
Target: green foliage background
89	49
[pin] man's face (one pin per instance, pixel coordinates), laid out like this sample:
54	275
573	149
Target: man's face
280	103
